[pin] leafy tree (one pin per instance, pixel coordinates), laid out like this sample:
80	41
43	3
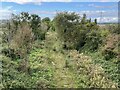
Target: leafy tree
25	17
83	21
35	23
67	26
46	19
22	41
46	22
95	21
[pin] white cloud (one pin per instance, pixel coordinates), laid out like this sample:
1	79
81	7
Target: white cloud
34	1
92	13
5	13
97	6
44	12
107	19
107	16
101	15
98	13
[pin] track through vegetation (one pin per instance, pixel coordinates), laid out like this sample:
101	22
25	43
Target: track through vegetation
67	52
65	75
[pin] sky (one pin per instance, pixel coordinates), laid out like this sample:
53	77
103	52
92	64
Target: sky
102	10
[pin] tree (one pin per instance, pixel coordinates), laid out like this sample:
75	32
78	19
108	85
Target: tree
33	20
46	22
83	21
90	20
95	21
22	40
25	17
35	24
67	26
46	19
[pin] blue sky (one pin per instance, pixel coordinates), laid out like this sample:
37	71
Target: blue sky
104	10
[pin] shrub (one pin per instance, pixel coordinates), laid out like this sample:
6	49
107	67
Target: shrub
92	41
22	41
109	54
10	53
110	50
114	28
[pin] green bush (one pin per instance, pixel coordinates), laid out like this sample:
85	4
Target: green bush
10	53
109	54
110	50
93	41
22	40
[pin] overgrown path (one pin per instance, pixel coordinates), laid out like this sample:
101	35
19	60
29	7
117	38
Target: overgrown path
81	73
63	77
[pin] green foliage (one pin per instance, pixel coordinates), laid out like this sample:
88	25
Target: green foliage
52	26
72	31
46	23
110	66
114	28
110	50
10	53
22	41
34	78
104	33
87	73
52	41
83	21
35	22
95	21
29	62
67	26
46	19
93	41
24	17
109	54
21	31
